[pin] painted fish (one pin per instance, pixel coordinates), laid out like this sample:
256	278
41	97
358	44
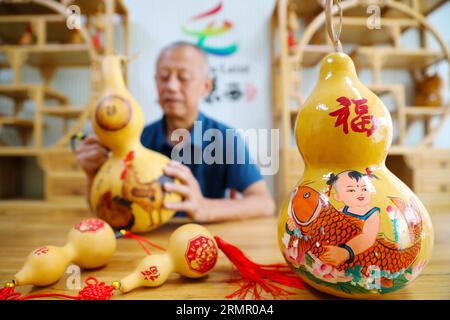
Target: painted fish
320	225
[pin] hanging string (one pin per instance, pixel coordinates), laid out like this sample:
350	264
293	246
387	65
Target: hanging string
140	240
334	36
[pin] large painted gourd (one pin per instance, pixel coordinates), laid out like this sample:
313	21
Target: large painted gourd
350	227
127	191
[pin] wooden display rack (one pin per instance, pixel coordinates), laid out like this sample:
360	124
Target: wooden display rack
373	50
51	49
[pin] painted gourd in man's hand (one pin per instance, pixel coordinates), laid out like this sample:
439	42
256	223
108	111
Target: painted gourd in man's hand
127	192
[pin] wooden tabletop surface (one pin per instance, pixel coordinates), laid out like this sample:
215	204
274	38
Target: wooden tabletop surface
22	230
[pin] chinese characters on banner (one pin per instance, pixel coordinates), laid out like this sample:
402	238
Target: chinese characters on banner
210	29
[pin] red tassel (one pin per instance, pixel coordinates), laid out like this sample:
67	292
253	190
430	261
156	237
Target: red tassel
92	291
258	278
8	294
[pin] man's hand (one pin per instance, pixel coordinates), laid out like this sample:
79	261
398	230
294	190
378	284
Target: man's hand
194	204
91	154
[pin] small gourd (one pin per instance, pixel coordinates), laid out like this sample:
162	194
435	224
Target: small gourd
192	252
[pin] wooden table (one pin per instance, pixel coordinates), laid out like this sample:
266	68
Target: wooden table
22	230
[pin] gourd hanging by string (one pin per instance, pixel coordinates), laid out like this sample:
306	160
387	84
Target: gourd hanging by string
350	227
127	191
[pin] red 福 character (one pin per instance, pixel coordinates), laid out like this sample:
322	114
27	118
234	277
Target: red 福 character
363	122
342	114
151	273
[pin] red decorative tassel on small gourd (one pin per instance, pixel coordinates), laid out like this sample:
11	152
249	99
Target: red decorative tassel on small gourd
258	278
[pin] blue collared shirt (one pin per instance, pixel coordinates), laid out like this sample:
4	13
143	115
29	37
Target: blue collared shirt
214	179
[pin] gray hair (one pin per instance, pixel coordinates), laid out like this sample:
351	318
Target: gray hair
181	44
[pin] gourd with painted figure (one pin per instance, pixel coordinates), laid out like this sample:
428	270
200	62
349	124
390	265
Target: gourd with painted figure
127	191
350	227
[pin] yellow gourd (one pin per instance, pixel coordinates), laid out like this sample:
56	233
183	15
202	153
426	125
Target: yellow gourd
350	227
127	191
192	252
90	244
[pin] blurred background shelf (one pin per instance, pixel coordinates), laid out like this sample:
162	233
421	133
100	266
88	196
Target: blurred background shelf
396	58
34	35
58	55
63	111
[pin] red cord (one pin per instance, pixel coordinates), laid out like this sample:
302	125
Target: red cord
92	291
142	241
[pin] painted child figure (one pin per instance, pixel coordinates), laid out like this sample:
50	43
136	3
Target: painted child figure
354	189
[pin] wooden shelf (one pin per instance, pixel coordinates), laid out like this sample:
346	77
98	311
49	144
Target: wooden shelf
308	8
311	8
28	151
394	58
88	7
13	26
15	121
383	89
355	30
313	54
401	150
73	175
25	91
425	7
63	111
424	111
4	65
25	7
58	55
18	151
53	46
